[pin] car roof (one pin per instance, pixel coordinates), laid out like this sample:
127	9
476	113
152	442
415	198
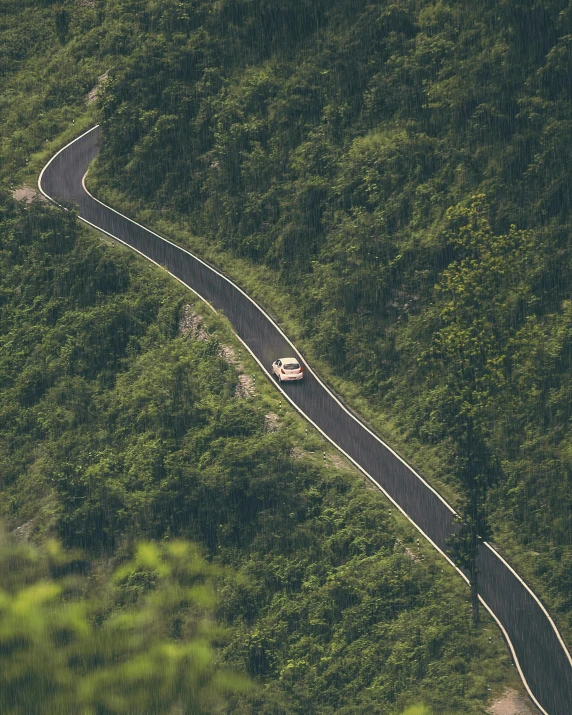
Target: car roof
289	359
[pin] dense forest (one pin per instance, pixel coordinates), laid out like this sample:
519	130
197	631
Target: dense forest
397	170
401	170
124	419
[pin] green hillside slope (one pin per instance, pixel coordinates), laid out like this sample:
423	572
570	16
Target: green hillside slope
125	415
366	162
400	169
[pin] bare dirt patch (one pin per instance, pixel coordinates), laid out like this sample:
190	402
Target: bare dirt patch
24	531
512	703
410	554
27	193
271	422
101	80
245	386
399	548
228	355
191	325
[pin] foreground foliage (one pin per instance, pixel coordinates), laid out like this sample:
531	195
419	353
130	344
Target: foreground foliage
64	648
115	426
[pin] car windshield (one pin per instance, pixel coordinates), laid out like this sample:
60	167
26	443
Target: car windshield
292	366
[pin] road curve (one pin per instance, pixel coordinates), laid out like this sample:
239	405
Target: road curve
540	655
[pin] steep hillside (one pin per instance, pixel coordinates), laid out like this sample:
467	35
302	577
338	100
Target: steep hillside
400	170
366	163
126	415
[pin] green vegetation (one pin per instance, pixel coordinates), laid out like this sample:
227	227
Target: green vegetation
48	64
399	173
69	643
400	170
119	423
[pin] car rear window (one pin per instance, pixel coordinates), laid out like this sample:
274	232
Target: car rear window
292	366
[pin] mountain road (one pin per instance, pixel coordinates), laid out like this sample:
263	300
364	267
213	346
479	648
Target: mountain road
537	648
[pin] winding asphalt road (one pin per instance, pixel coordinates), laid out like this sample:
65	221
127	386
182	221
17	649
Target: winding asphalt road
539	653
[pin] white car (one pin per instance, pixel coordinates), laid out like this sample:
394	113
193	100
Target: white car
286	369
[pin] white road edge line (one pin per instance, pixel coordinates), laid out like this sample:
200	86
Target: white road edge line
264	369
73	141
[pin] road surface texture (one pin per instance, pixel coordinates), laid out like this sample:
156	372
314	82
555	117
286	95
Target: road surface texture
540	655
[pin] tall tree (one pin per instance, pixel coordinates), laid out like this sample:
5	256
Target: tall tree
474	315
